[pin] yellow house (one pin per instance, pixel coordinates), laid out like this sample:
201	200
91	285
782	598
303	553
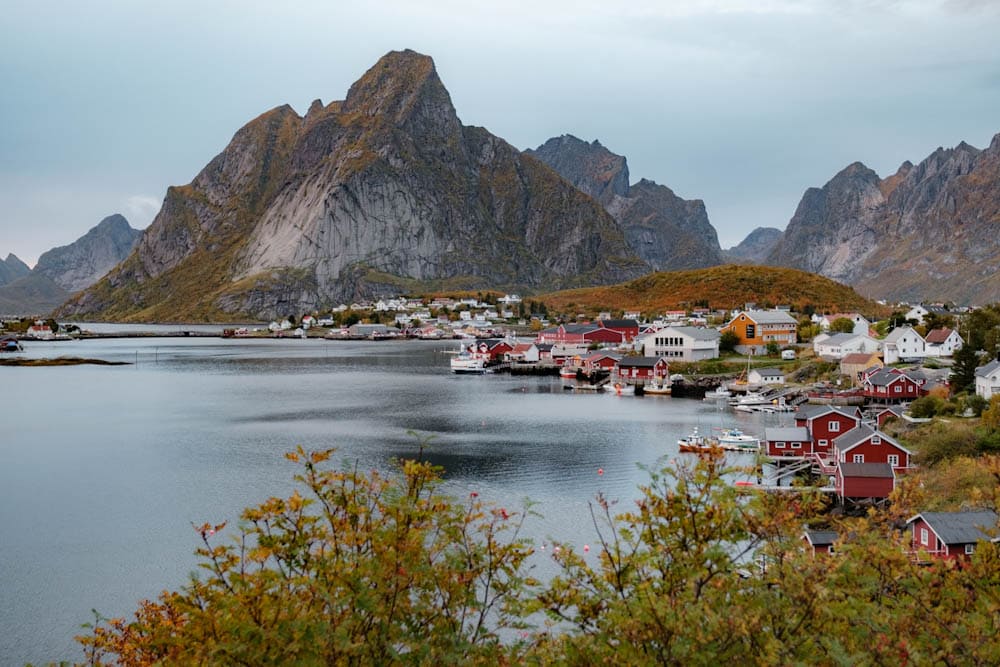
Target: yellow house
756	328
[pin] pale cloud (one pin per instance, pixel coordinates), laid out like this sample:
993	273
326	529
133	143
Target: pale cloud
141	209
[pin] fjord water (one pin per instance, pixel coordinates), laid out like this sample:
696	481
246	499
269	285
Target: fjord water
104	469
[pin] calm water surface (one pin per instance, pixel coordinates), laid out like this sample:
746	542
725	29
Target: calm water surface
104	469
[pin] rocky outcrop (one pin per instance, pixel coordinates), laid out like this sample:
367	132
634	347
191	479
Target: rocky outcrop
927	232
756	247
31	295
82	263
386	189
12	268
668	232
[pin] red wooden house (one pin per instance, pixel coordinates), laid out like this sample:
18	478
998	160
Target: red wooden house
866	445
640	370
495	348
629	329
787	441
580	334
891	385
820	541
887	413
600	361
825	423
864	481
950	535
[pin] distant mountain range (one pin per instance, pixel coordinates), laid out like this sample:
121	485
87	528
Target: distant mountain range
388	192
928	232
66	269
666	231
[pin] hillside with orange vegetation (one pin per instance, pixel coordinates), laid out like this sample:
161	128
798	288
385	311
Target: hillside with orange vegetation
729	286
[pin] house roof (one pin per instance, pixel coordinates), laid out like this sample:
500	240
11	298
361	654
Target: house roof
870	470
885	376
857	358
769	371
813	411
898	333
989	369
959	527
577	328
837	316
770	317
639	362
793	434
860	434
938	336
544	347
619	324
839	339
597	356
821	538
698	333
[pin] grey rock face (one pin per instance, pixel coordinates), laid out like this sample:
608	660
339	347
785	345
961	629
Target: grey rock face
12	268
927	232
82	263
756	246
666	231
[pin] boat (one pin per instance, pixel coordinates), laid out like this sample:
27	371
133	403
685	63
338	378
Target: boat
695	442
10	344
568	372
662	389
720	393
751	398
467	362
620	389
735	440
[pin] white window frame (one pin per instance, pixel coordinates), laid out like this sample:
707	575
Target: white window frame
796	445
779	445
857	458
823	443
970	549
835	426
924	536
893	460
876	439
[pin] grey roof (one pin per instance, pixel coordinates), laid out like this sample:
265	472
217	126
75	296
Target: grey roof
839	339
898	333
873	470
639	362
621	324
787	434
821	538
576	328
769	371
810	411
885	376
859	434
988	369
770	317
698	333
960	527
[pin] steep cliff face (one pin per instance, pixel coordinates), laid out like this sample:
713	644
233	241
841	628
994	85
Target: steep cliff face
12	268
82	263
666	231
756	247
927	232
384	189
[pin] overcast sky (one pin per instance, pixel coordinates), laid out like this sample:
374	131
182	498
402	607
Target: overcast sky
743	104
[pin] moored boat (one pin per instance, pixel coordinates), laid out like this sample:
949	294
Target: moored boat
735	440
662	389
620	389
695	442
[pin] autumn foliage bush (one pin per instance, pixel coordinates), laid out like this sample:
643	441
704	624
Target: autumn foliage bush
369	569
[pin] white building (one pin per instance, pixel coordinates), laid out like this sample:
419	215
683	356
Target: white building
902	343
988	380
682	343
942	342
861	325
840	345
760	376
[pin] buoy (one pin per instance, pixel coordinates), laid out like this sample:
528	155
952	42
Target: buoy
600	471
586	548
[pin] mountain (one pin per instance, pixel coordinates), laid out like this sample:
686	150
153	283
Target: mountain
383	192
728	286
666	231
33	294
12	268
82	263
756	246
927	232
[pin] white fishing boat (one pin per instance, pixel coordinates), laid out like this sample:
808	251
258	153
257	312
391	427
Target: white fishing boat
620	389
468	362
735	440
720	394
662	389
695	442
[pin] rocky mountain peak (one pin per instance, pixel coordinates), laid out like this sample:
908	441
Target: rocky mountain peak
590	167
12	268
995	144
756	246
80	264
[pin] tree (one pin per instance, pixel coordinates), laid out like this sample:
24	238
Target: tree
773	349
728	341
991	414
963	370
842	325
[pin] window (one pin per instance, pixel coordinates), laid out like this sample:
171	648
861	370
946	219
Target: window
859	458
834	426
796	445
924	537
970	549
876	440
823	443
751	331
779	445
893	460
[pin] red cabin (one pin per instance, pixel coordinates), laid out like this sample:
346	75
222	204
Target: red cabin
600	361
860	481
891	385
826	423
866	445
639	370
787	441
820	541
950	535
629	329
